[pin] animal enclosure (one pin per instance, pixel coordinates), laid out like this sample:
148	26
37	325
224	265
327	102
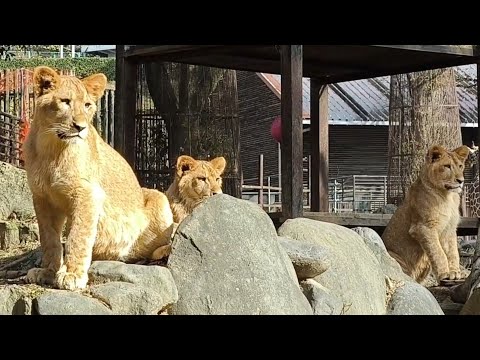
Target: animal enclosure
17	105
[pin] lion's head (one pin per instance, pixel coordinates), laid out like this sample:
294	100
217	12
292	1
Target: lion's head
199	179
65	105
443	169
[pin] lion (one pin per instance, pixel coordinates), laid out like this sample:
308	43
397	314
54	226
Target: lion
195	180
422	233
78	180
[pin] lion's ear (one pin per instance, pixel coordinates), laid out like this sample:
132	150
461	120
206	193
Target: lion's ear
435	153
95	85
219	164
185	163
462	152
45	79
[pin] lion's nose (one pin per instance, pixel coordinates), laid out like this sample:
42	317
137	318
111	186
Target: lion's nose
460	181
78	127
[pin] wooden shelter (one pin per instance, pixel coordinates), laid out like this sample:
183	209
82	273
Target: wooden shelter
324	64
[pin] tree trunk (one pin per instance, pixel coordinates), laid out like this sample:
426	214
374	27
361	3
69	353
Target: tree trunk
200	107
424	111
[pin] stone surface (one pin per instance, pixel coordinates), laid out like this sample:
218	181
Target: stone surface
13	301
226	259
62	302
15	196
354	276
130	299
388	264
308	260
322	301
413	299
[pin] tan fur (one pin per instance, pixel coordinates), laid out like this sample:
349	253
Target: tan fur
195	180
77	178
421	235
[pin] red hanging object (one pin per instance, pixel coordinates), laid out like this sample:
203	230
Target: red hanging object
276	129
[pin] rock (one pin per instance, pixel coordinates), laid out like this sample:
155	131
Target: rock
413	299
9	235
130	299
371	238
388	264
15	195
322	301
226	259
156	278
354	276
13	301
472	306
309	260
62	302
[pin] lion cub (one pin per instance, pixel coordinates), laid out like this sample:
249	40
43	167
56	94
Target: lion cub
195	180
77	178
422	234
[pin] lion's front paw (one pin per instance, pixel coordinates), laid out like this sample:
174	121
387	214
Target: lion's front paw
40	276
70	281
451	275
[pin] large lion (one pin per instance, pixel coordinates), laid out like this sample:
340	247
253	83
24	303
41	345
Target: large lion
422	234
195	180
77	178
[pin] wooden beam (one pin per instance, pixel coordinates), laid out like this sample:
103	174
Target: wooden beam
320	148
158	51
292	134
461	50
125	105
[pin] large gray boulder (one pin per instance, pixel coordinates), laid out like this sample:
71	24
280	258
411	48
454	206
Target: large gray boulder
354	276
413	299
15	195
226	259
388	264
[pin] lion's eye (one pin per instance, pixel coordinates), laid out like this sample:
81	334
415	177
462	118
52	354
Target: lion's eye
202	178
87	105
448	166
66	101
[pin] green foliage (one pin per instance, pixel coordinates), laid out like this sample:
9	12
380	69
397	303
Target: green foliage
83	66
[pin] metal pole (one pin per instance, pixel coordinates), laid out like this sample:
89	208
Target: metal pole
61	51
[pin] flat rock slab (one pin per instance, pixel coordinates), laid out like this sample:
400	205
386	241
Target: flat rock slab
61	302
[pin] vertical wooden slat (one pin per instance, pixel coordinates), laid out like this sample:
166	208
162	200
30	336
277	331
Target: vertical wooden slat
320	149
119	136
292	130
111	123
104	117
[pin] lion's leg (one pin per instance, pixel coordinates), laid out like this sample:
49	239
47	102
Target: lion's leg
50	223
155	241
450	246
428	239
83	220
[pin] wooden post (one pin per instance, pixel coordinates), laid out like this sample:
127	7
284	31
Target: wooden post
125	105
319	136
292	130
260	192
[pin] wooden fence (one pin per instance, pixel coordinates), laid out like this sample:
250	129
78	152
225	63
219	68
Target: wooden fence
17	103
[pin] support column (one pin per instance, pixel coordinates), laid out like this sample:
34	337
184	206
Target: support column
125	105
292	130
320	148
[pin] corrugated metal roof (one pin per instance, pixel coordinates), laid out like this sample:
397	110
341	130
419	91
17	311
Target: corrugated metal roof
366	101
